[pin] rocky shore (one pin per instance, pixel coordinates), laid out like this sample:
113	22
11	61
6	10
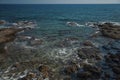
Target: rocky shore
88	61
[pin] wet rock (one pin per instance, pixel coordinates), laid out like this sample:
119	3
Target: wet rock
88	43
84	75
96	34
90	72
110	30
116	70
2	22
113	61
44	70
93	69
29	76
89	53
7	35
69	69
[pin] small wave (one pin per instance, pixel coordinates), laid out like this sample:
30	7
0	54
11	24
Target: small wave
72	24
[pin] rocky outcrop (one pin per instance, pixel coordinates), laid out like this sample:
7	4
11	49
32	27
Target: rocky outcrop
7	35
110	30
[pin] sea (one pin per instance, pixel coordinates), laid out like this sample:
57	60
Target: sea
61	27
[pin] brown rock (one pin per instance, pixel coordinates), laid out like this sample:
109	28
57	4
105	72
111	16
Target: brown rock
88	43
2	22
44	70
7	35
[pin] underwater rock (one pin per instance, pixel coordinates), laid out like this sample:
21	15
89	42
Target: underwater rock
89	53
88	43
113	61
89	72
110	30
112	47
69	69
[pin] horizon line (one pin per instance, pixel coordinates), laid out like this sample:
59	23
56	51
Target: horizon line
59	3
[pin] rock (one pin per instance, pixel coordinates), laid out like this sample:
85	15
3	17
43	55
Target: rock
96	34
110	30
94	70
7	35
2	22
69	69
116	70
88	43
29	76
113	61
84	75
89	53
44	70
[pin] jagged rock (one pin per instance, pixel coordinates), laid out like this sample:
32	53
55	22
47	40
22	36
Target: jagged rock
110	30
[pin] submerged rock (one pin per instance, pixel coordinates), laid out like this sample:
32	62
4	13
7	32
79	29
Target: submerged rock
113	61
88	43
89	53
90	72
